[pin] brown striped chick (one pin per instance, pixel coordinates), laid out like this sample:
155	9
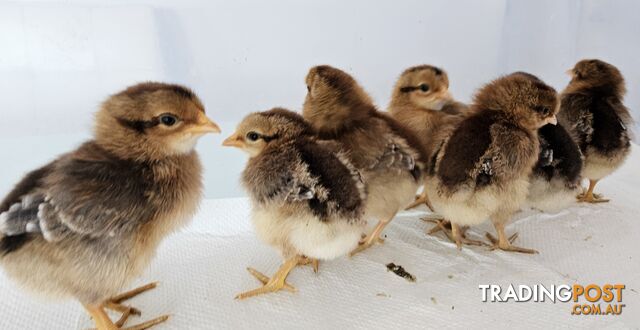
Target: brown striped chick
422	102
556	176
101	211
592	109
307	199
482	169
389	156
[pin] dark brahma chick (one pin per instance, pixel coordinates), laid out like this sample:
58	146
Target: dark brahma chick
389	156
308	200
421	101
101	210
481	170
591	108
556	176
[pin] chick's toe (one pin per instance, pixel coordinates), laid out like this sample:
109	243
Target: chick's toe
278	281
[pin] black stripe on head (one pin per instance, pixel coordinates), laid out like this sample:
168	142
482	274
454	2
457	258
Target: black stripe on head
139	126
268	138
408	89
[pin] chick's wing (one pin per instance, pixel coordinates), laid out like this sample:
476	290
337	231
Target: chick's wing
93	197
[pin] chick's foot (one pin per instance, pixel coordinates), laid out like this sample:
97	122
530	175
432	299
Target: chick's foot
589	197
370	239
103	322
278	281
115	303
505	244
459	237
421	199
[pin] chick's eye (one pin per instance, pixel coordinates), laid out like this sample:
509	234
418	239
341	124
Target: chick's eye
543	110
424	87
308	88
253	136
168	120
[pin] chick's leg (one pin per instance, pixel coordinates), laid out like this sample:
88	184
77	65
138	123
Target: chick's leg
277	282
504	243
372	238
589	196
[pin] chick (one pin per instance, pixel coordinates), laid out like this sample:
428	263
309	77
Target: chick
482	169
421	101
308	199
556	175
86	224
390	158
592	109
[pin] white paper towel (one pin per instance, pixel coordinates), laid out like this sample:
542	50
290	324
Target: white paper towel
202	268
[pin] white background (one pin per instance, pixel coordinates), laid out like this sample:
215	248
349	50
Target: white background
60	59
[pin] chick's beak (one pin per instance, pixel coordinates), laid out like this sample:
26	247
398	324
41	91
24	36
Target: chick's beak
233	141
569	72
553	120
204	126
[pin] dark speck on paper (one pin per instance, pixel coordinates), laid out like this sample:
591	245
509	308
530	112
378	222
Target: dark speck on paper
400	271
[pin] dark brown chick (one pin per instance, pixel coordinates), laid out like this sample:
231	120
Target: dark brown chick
556	175
389	156
482	169
308	200
101	210
421	101
592	109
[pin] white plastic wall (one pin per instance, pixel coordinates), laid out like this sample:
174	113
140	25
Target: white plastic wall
60	59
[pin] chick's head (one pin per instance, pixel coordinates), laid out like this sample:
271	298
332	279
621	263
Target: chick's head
522	98
424	86
259	130
333	98
152	120
596	73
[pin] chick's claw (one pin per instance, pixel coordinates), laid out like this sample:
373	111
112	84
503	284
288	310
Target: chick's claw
311	261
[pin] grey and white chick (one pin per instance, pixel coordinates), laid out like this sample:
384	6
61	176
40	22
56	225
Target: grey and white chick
482	169
88	223
307	198
592	109
389	156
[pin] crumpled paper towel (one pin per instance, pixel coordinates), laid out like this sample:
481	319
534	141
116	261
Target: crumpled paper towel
202	268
